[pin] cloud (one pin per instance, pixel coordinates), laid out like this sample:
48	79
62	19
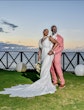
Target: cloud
1	29
13	26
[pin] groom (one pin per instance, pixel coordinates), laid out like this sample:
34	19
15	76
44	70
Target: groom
56	70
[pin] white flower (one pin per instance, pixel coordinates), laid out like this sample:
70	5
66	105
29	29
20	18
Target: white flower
38	67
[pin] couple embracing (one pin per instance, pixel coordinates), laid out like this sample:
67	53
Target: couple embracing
52	46
50	50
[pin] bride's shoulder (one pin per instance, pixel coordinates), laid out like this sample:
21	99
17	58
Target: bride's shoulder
40	43
40	39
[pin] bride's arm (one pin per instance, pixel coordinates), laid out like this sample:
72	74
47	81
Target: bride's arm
40	50
55	44
39	54
54	41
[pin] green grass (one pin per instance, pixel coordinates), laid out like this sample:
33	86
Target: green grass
69	98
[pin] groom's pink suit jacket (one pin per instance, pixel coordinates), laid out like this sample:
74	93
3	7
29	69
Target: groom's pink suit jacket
56	70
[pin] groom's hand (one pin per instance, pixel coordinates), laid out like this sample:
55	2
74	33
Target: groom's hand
50	52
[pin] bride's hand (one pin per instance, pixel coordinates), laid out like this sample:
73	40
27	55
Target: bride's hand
50	52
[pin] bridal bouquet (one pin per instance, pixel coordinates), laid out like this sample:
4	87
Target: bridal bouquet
38	67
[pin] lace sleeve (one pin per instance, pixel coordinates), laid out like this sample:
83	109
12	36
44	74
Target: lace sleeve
40	44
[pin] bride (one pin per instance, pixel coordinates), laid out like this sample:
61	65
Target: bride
44	84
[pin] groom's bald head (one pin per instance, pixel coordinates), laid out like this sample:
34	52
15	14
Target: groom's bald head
54	28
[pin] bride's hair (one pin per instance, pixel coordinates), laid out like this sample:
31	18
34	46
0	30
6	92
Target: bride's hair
45	30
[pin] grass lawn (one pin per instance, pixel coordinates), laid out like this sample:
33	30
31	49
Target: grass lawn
69	98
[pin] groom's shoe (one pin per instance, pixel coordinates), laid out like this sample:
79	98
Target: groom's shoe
61	86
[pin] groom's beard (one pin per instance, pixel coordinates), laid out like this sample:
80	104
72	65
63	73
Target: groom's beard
53	33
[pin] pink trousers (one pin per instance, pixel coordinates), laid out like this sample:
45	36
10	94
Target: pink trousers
56	70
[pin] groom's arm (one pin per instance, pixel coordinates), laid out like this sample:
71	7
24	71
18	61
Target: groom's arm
61	46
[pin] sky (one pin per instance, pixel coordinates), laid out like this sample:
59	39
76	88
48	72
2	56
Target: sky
23	21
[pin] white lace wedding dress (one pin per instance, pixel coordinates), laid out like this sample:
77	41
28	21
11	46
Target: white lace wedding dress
43	85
